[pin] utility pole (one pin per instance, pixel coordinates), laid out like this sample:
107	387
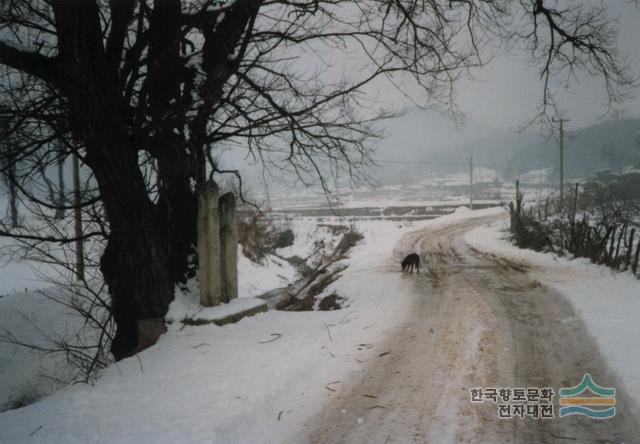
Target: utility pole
562	122
471	182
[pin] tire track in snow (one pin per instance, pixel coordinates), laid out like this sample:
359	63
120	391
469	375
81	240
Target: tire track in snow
477	320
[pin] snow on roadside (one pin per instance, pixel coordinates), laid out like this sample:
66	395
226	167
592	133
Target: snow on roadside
306	232
255	279
607	301
254	381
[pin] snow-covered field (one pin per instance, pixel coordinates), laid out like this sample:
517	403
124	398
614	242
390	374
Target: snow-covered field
18	275
25	374
431	189
607	301
255	381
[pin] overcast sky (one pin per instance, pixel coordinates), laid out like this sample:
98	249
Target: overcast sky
504	94
505	89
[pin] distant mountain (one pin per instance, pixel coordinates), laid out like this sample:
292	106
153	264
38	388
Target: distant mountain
423	142
613	144
419	138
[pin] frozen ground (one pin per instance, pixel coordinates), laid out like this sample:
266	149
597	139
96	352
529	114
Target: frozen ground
608	302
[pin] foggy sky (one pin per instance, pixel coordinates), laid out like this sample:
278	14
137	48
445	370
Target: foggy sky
505	93
506	89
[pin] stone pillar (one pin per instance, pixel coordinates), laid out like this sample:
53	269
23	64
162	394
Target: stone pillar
228	247
209	246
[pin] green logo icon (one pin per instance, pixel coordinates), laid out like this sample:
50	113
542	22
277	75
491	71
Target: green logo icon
588	399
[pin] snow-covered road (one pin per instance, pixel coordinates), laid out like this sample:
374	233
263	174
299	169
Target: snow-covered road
477	320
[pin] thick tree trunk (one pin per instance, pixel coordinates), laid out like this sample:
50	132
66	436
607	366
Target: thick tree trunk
177	204
135	262
149	244
177	211
139	263
139	285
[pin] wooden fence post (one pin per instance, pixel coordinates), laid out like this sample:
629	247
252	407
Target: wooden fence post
635	260
622	234
228	247
209	246
627	260
612	245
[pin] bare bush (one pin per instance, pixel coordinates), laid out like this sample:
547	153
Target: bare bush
256	234
600	223
349	240
285	238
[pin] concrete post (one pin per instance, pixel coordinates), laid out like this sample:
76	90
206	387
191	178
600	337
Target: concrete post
209	246
228	247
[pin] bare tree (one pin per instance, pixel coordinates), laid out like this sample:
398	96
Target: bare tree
134	85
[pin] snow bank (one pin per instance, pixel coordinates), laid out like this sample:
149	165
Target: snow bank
607	301
182	308
254	279
306	232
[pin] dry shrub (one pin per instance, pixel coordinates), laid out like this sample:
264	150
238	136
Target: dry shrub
256	234
259	236
285	239
599	223
349	240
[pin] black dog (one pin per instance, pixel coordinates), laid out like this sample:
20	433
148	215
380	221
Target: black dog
412	260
